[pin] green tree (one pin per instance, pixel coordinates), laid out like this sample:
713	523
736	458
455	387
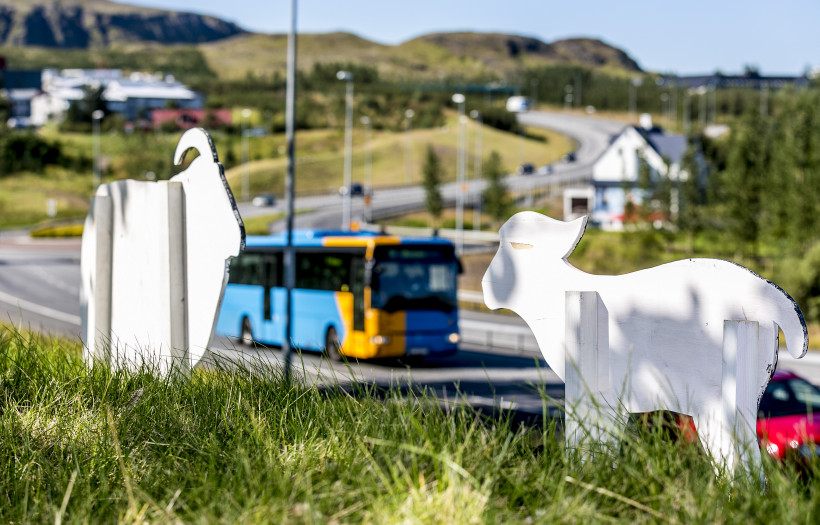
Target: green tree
496	198
432	184
744	182
691	195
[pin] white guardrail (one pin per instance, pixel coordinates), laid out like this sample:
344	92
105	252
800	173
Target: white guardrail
513	338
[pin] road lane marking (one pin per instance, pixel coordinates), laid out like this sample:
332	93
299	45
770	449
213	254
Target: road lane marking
40	310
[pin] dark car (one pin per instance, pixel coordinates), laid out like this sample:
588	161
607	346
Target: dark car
569	157
265	199
526	169
356	190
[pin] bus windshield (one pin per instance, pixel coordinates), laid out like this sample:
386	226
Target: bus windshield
413	278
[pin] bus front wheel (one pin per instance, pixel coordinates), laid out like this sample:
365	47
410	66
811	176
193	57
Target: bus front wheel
247	332
332	345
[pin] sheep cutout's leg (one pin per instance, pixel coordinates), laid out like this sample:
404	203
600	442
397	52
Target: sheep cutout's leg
588	414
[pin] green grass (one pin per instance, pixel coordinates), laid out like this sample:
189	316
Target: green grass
320	163
320	156
90	445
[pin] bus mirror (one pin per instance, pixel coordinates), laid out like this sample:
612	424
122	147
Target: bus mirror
459	266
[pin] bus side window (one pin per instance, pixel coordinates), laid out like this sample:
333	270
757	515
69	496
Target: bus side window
246	269
279	269
235	270
252	270
305	270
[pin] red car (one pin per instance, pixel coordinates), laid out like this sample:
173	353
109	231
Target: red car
788	420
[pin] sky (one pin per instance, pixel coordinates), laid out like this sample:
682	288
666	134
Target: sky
684	37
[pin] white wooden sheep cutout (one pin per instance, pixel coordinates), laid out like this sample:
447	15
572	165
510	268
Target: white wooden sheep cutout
154	263
698	336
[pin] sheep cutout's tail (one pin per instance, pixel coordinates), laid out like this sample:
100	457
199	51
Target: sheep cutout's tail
198	139
793	325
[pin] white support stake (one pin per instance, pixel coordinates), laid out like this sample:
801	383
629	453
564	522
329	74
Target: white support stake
174	208
581	363
101	323
740	391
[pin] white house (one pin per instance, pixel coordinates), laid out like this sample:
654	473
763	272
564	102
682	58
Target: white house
616	173
128	95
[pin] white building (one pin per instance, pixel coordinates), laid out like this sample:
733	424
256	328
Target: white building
130	95
616	174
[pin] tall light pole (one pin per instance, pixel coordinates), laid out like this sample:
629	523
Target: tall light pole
634	84
246	176
347	76
290	137
459	99
368	171
476	115
408	150
96	116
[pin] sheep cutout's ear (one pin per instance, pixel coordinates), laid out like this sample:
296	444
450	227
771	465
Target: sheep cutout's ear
530	229
198	139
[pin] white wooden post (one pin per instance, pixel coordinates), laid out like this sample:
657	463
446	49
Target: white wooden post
581	365
740	389
101	320
172	250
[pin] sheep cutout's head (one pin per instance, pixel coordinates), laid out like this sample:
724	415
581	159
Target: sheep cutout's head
154	262
658	333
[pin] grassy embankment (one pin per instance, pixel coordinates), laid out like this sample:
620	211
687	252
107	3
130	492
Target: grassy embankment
320	160
88	445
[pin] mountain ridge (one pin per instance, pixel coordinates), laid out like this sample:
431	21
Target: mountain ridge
82	24
232	51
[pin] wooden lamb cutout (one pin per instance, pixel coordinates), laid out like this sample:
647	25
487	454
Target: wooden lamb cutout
698	336
154	263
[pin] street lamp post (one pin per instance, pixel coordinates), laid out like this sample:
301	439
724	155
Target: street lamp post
246	176
96	116
459	99
290	195
634	84
408	151
368	171
347	76
476	115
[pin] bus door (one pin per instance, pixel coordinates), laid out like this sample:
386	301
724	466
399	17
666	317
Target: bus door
357	288
273	306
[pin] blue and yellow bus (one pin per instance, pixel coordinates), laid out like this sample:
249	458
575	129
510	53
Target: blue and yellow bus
358	294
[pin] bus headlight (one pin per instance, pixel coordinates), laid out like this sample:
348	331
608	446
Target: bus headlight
454	337
379	339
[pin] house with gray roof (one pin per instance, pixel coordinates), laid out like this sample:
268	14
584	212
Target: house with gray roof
132	96
616	175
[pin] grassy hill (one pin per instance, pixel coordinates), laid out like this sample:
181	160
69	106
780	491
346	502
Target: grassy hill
101	33
320	156
464	55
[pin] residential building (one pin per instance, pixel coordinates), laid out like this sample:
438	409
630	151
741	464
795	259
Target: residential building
616	176
132	96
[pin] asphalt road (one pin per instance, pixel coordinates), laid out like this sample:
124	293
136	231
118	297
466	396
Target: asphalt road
591	134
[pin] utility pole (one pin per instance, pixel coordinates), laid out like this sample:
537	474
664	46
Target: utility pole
459	99
290	134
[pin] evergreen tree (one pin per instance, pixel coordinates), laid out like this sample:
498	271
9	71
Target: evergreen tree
432	184
496	198
804	137
744	182
691	195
